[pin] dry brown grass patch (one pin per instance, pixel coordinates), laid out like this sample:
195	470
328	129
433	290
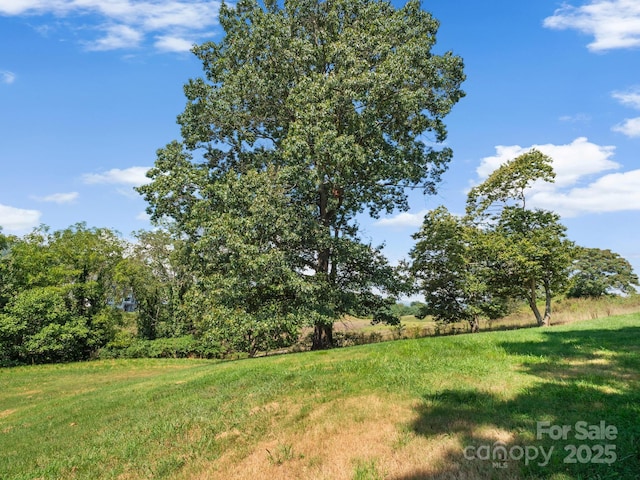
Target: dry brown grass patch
6	413
333	439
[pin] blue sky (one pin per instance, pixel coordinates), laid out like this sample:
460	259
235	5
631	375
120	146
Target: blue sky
89	89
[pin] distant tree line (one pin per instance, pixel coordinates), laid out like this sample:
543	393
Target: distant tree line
61	292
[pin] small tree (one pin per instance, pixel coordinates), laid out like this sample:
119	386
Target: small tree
528	247
447	264
532	257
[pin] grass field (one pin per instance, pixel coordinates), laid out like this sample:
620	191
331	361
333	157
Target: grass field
565	310
411	409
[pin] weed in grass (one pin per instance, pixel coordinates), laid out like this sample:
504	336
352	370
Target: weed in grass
314	461
302	414
367	470
404	438
168	466
283	453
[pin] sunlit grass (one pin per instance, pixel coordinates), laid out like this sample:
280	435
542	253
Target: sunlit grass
397	410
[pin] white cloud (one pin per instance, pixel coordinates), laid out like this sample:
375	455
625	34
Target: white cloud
134	176
117	36
575	191
16	7
17	219
630	127
7	77
612	23
143	217
60	197
630	98
403	219
503	154
173	44
611	193
570	162
127	22
577	118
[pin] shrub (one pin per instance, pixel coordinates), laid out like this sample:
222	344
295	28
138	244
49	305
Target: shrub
39	326
239	331
126	346
104	326
58	343
11	333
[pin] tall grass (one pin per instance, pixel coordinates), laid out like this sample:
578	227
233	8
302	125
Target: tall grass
354	331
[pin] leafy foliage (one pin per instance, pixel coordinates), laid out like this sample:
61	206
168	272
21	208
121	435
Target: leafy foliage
509	183
310	113
5	279
533	254
597	272
57	287
449	268
528	248
415	308
185	346
500	251
153	273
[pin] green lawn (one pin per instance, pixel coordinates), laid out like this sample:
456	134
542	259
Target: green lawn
411	409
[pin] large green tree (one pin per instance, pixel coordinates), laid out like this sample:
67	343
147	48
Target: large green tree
596	272
528	248
336	108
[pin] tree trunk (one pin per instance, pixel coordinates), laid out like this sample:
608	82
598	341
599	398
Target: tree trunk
322	337
475	325
546	321
533	304
323	332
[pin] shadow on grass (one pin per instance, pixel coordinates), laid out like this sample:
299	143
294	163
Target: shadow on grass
590	376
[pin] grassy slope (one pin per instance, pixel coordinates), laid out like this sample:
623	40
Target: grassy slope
398	410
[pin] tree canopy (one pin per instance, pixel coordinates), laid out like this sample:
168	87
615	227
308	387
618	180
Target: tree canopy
596	272
508	184
316	111
56	289
451	269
